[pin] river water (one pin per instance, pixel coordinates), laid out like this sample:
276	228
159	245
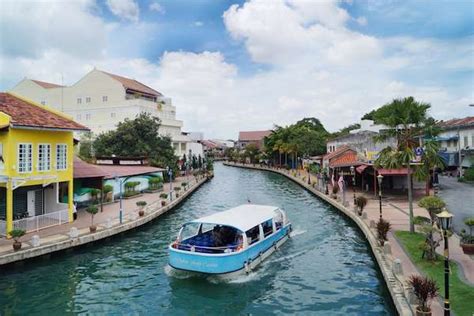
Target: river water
326	268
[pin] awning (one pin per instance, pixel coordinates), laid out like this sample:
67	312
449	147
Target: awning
393	172
84	170
361	168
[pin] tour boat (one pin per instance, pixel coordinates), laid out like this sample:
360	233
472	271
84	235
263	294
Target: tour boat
230	242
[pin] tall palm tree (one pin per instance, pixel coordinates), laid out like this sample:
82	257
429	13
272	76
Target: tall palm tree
405	119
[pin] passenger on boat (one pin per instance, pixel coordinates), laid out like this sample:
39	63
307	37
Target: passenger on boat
223	235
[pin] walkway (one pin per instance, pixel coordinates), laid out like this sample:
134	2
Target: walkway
106	219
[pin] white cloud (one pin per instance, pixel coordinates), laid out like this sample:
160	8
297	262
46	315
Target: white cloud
124	9
319	67
362	20
155	6
198	23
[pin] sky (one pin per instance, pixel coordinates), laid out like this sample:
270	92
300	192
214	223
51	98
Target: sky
250	65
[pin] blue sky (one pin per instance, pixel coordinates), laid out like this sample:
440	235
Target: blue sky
231	65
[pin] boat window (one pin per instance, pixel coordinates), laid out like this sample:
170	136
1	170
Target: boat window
278	218
253	234
267	228
206	228
189	230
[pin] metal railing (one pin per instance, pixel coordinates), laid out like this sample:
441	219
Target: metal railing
36	223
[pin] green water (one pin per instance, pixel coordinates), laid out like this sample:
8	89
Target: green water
326	268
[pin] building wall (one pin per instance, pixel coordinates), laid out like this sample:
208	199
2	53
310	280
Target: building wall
466	138
362	142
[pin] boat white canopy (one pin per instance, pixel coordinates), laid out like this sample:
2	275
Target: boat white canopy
243	217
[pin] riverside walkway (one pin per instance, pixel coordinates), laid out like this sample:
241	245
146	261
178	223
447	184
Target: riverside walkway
395	212
58	237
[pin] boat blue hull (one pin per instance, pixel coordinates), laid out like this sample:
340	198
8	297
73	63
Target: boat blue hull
223	263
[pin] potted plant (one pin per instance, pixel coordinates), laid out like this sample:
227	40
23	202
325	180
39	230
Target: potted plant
92	209
383	228
467	240
184	185
425	289
164	197
433	204
335	189
141	207
108	192
177	189
16	235
361	202
94	194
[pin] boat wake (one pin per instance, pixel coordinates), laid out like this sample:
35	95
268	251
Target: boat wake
297	232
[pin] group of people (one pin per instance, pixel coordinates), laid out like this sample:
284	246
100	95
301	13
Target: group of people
223	235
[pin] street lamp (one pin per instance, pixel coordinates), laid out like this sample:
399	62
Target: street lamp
309	175
353	183
445	220
379	179
117	179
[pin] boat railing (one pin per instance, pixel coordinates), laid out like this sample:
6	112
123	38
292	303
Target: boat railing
206	249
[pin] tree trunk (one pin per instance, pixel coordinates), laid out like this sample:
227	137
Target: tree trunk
427	184
280	158
410	199
286	159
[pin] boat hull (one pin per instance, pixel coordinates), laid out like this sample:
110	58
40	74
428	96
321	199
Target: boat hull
228	264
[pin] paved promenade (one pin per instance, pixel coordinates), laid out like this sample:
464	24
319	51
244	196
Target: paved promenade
395	210
108	219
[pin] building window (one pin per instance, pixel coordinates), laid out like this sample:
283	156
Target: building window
88	116
472	141
104	98
44	157
88	99
112	115
25	157
79	116
466	141
183	146
61	156
43	102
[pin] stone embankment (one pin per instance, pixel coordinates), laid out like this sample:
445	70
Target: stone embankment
389	266
81	236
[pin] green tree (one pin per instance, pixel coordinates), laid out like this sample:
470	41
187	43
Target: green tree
406	120
85	146
251	151
137	137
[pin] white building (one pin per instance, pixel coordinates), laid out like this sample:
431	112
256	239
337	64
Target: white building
101	100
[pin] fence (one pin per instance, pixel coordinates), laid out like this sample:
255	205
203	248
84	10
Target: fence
36	223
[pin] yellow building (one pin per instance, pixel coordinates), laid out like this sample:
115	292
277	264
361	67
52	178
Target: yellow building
36	165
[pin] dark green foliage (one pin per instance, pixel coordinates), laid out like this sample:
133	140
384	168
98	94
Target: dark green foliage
108	188
17	234
383	227
86	147
164	195
155	183
135	138
345	131
469	174
141	203
361	202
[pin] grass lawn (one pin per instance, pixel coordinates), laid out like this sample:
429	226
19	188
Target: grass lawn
461	294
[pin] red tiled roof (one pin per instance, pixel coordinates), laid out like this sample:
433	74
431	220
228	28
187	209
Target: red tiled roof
337	152
46	85
253	135
457	122
361	168
209	143
27	114
348	158
113	171
134	85
83	169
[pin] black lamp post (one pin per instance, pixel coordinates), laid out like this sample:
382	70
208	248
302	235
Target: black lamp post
326	178
445	220
353	183
379	179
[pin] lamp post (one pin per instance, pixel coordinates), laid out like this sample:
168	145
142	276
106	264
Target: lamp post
326	178
445	220
117	179
379	179
309	176
353	183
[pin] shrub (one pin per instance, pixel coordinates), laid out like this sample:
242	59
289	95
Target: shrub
184	184
92	209
425	289
383	227
177	189
361	202
469	174
164	195
335	189
154	183
108	188
141	203
468	238
17	234
433	204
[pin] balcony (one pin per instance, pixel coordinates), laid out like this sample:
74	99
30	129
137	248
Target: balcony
36	223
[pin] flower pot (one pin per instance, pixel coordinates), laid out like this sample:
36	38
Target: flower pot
419	312
92	228
177	195
468	249
163	203
141	213
16	245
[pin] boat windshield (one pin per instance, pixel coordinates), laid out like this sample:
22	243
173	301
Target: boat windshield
209	238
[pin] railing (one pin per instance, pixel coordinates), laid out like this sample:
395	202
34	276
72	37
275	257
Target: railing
36	223
204	249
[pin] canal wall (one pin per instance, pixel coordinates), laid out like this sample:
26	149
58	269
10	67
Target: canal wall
63	241
395	283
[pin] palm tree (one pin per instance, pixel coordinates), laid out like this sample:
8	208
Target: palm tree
406	120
